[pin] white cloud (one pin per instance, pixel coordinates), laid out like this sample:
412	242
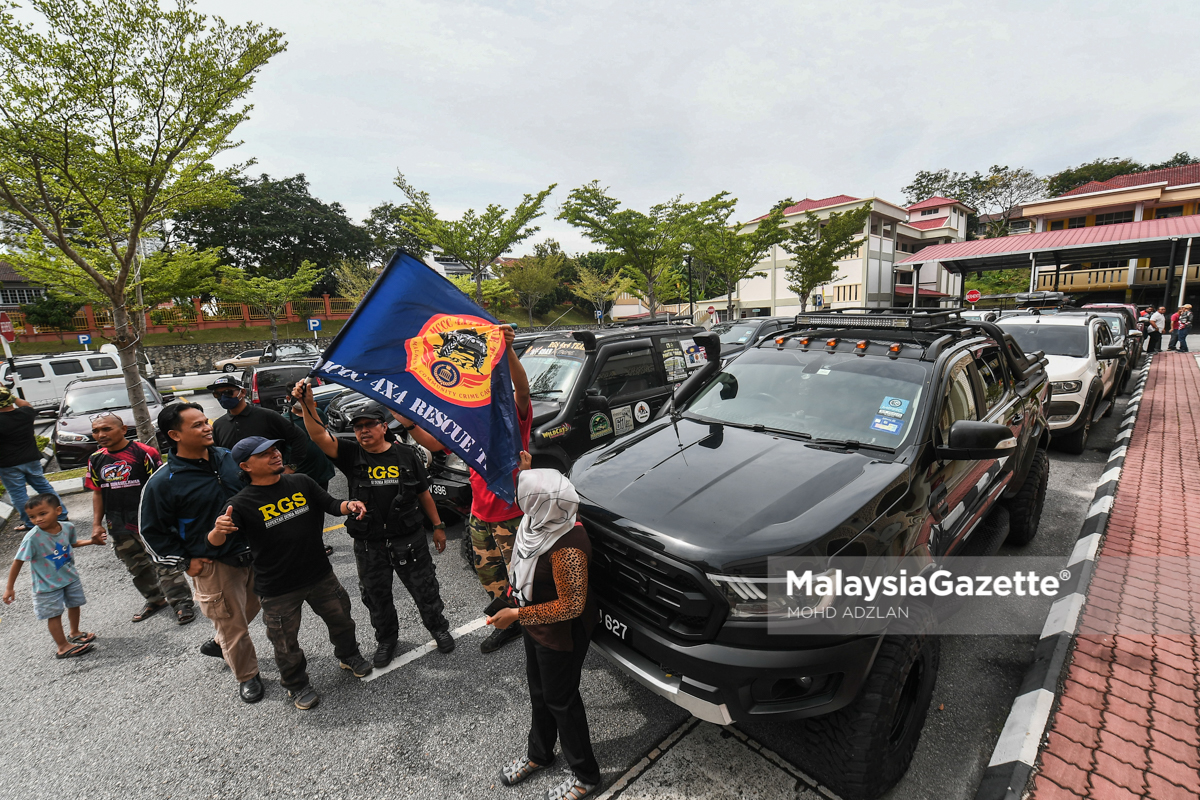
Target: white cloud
481	102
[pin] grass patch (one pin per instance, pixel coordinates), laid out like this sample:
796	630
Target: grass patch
66	475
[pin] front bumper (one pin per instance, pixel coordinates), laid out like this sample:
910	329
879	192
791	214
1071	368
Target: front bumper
451	492
723	684
73	455
1064	411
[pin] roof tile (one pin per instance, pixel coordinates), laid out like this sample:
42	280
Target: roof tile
932	202
1174	176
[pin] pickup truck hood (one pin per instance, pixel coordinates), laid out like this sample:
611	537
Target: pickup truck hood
717	495
1066	368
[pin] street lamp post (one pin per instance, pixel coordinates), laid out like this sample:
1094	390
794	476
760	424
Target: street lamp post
687	257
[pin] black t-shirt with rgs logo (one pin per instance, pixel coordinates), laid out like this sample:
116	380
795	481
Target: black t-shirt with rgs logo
375	479
283	524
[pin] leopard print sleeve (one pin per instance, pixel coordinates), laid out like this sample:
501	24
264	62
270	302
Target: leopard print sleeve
571	581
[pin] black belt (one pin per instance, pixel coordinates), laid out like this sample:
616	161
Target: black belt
244	559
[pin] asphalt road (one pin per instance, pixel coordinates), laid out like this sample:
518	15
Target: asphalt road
146	715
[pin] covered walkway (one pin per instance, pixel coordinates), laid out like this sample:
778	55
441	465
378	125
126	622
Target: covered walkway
1110	252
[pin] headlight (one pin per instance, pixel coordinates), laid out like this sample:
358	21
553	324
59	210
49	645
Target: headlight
1066	387
64	436
751	598
455	463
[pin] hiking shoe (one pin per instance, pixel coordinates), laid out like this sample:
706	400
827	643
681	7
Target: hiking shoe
445	642
357	665
305	698
384	654
498	638
211	648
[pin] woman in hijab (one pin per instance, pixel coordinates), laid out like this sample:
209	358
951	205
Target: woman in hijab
549	579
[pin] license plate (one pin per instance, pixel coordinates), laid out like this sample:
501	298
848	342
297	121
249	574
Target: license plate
613	625
437	488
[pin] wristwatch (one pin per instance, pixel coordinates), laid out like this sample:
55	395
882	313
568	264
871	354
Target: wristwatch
441	525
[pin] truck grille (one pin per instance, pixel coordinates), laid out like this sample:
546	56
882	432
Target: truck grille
653	588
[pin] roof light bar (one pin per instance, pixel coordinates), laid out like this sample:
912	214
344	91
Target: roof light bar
894	318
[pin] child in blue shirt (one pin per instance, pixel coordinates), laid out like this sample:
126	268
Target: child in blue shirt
56	585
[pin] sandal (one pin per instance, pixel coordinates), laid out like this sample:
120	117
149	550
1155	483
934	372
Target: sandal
185	615
517	771
570	789
149	610
77	650
82	638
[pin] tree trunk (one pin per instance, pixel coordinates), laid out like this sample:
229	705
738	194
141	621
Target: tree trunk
531	315
729	303
651	300
274	326
129	347
479	286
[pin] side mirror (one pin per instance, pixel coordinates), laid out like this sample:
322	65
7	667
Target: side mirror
1111	351
970	441
594	401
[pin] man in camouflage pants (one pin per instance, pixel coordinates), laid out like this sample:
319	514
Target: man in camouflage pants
116	473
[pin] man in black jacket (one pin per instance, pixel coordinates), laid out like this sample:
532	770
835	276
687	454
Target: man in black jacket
244	419
180	506
281	518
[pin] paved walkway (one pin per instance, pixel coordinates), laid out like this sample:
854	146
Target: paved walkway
1127	724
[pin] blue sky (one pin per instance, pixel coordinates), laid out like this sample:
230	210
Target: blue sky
480	102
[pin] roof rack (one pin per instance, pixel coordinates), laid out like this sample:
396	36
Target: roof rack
669	319
902	318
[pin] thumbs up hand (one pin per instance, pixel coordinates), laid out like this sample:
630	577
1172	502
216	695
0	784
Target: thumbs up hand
222	528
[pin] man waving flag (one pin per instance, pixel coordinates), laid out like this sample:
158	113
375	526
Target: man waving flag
421	347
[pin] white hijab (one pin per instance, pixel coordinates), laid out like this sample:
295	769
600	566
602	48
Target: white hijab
550	503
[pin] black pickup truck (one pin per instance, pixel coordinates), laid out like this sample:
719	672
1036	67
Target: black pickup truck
853	432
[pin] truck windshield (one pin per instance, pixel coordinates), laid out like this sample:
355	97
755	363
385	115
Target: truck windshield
552	367
1055	340
88	399
733	334
818	394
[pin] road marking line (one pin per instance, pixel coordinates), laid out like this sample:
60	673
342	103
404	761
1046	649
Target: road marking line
425	649
333	528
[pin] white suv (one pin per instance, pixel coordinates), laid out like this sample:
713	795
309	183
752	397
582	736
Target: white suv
1083	369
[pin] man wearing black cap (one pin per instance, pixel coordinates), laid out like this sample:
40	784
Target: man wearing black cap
391	481
281	518
243	419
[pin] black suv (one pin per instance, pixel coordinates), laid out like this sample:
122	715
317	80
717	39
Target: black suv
270	385
740	335
854	432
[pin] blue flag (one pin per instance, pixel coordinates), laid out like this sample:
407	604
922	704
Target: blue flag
420	346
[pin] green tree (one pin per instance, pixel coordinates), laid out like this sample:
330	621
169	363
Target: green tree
389	232
270	294
178	275
52	311
646	246
354	278
533	277
816	245
1001	281
1101	169
476	240
1177	160
731	255
273	227
111	112
1003	193
599	289
497	294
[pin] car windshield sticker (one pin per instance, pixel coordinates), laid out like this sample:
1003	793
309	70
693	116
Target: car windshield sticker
622	419
693	354
673	360
895	407
823	371
888	425
742	339
641	412
599	425
570	350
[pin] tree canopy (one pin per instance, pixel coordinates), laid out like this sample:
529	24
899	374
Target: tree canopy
1103	169
998	194
816	245
730	256
533	277
389	232
476	240
270	294
273	227
648	246
111	112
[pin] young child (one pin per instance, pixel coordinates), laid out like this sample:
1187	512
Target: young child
48	549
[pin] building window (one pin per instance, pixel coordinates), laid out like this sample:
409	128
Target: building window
19	297
929	212
1058	225
1172	211
1115	218
1018	225
1077	222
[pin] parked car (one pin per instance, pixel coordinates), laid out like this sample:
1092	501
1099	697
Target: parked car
900	434
301	353
84	398
1129	338
1128	310
741	334
43	379
240	361
1084	368
270	385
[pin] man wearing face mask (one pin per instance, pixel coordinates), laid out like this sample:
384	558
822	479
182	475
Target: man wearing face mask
243	419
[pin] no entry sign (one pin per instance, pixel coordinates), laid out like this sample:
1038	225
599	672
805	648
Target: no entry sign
6	328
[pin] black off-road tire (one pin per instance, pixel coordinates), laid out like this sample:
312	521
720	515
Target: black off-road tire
1025	510
864	749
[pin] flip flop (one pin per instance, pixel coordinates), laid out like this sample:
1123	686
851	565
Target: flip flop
82	638
149	610
77	650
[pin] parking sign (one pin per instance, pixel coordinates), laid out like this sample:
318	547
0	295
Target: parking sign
85	338
314	324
